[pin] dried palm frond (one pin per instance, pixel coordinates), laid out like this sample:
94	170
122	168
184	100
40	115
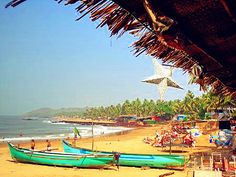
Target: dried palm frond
150	26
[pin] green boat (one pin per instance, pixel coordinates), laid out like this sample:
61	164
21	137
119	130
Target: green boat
60	159
136	160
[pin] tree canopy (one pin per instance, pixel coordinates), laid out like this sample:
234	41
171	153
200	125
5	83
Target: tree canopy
193	106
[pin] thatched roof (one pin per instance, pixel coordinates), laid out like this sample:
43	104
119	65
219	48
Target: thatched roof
196	35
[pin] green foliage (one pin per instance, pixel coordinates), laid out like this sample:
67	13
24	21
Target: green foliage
135	107
185	119
194	107
48	112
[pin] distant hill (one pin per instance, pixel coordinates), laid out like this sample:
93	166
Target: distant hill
49	112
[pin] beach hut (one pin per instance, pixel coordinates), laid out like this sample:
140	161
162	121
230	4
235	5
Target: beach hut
126	118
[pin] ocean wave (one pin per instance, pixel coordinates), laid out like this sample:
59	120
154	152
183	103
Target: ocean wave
60	123
84	132
47	121
55	122
19	139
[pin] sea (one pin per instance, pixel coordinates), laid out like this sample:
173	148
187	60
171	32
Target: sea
19	128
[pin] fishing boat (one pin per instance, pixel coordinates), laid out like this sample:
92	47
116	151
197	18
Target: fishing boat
136	160
60	159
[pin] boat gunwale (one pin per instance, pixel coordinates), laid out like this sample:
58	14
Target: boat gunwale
107	152
182	166
17	152
48	153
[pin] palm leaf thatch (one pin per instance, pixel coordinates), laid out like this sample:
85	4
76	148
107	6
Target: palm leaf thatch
197	36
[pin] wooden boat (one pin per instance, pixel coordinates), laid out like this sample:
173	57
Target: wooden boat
60	159
136	160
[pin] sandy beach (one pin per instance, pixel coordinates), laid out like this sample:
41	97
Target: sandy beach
124	142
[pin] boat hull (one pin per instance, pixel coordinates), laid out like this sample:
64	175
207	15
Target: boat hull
136	160
59	159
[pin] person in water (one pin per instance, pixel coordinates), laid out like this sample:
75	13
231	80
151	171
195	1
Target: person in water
32	144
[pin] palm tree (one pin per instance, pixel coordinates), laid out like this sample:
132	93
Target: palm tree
126	108
195	107
136	107
178	107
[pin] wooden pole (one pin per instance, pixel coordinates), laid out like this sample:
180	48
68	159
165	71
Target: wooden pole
211	163
92	137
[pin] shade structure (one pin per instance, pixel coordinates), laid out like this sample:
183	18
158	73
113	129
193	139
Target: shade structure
198	36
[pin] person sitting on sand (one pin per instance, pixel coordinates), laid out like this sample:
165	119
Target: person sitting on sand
32	144
174	135
48	145
158	141
188	139
174	128
162	131
157	134
147	140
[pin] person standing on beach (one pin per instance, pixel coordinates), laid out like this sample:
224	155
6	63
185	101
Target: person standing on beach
75	139
48	145
117	158
32	144
76	134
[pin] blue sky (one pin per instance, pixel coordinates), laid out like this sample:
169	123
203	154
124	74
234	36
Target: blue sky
47	59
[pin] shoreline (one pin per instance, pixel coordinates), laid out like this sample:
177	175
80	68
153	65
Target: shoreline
27	139
26	142
56	129
83	121
129	142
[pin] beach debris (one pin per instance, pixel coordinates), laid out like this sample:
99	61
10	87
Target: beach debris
166	174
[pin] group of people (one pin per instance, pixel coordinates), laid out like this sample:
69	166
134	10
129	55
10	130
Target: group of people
181	129
165	137
32	145
189	140
162	138
76	134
